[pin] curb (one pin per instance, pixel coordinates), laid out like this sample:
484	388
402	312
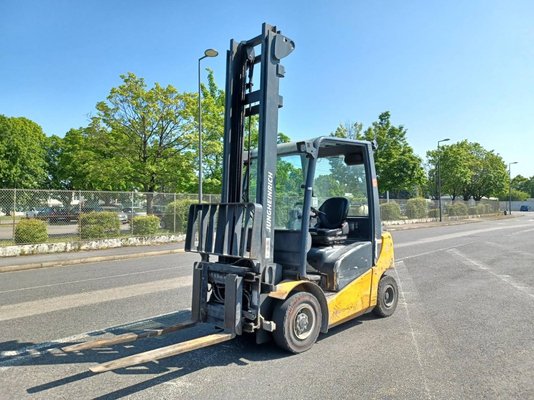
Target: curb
87	260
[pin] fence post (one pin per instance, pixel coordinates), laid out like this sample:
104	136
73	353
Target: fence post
79	213
174	214
14	210
132	215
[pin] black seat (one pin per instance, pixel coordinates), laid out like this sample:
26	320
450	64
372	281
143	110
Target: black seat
332	227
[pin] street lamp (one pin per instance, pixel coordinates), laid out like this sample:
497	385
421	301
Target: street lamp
510	186
439	178
207	53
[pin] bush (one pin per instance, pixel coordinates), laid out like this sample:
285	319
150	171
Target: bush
30	231
145	225
416	208
473	210
177	211
433	213
99	225
457	210
390	211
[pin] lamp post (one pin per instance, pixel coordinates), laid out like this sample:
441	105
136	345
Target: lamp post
439	178
510	186
207	53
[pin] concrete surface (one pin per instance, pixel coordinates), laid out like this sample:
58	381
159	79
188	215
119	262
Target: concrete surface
463	329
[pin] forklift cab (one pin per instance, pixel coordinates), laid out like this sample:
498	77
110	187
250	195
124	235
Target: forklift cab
323	229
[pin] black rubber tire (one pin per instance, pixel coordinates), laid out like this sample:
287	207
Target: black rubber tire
388	296
306	306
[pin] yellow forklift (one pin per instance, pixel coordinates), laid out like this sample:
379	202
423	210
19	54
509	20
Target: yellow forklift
295	246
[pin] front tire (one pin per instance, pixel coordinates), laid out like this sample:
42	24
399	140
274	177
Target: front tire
388	296
298	322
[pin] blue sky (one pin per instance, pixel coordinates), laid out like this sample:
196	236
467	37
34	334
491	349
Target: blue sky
456	69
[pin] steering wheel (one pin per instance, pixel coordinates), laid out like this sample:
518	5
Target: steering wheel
316	211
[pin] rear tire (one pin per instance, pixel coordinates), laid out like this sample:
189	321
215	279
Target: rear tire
298	322
388	296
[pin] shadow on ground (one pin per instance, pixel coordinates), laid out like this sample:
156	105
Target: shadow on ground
239	351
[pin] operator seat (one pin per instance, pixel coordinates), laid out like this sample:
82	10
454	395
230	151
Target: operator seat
332	227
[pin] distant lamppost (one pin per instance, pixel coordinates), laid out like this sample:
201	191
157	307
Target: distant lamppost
207	53
439	178
510	186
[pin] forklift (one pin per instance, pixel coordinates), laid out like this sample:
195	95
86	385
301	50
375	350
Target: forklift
295	247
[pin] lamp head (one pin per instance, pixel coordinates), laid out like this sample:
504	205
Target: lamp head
211	53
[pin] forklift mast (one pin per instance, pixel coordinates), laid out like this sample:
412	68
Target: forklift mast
242	102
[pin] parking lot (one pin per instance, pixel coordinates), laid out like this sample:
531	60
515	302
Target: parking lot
463	329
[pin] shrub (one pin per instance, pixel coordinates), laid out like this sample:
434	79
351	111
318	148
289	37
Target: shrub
457	210
30	231
433	213
177	211
145	225
416	208
99	225
390	211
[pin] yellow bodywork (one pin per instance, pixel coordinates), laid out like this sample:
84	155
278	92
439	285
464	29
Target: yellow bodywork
357	297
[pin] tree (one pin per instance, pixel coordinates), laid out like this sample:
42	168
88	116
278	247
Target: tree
523	184
398	169
22	154
455	171
489	176
213	106
140	138
468	170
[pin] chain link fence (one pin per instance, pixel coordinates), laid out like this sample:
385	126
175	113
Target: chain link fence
419	208
38	216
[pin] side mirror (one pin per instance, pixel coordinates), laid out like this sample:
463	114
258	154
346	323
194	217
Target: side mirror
354	159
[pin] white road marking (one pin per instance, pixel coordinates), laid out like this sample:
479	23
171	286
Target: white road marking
402	297
53	345
504	278
426	253
522	232
457	235
88	280
42	306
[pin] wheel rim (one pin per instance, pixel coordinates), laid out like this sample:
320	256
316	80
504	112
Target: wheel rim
389	296
304	322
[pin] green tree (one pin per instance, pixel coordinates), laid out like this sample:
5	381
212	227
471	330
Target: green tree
468	170
523	184
142	132
489	176
22	154
455	169
398	169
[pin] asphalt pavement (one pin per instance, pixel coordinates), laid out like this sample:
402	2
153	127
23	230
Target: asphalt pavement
463	329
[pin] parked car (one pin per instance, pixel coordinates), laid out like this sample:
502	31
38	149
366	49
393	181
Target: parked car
123	218
524	208
134	212
34	212
55	214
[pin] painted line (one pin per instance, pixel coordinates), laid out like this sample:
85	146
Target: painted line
401	265
426	253
89	280
504	278
11	357
87	260
509	250
425	339
27	309
522	232
457	235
